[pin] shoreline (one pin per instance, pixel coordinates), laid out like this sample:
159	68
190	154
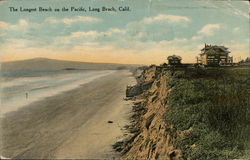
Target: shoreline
60	126
46	89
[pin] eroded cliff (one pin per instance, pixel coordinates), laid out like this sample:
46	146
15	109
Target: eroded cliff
150	136
188	113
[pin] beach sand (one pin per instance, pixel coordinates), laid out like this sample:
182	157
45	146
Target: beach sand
73	124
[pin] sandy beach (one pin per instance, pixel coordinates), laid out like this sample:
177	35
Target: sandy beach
73	124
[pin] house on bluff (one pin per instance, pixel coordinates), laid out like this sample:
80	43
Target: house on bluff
174	60
213	55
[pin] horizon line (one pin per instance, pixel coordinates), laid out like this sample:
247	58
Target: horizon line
68	61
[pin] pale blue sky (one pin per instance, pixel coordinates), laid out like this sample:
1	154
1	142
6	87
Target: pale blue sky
147	34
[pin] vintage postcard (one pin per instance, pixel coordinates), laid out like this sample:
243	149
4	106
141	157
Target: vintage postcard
125	79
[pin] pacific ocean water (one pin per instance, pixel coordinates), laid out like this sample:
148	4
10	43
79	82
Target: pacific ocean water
20	88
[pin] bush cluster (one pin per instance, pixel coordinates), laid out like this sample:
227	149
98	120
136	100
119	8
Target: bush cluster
216	108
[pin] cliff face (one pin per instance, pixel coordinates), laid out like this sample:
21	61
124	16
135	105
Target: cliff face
194	113
150	136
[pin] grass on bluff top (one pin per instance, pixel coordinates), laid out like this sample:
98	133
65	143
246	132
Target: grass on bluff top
215	104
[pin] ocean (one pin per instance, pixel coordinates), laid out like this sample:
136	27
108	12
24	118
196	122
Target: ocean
20	88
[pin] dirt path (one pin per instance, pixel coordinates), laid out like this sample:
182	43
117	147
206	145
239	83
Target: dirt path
70	125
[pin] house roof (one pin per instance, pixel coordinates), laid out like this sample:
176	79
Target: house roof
209	49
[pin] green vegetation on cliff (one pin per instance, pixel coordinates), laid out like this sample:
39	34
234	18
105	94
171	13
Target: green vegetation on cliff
214	106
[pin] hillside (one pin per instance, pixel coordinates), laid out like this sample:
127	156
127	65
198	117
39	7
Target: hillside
51	64
199	114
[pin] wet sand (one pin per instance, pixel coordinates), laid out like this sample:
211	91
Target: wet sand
73	124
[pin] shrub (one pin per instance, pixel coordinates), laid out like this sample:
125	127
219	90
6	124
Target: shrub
218	110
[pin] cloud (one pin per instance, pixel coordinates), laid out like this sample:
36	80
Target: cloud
237	11
166	18
141	35
18	43
89	34
4	25
236	29
156	28
116	30
68	38
76	19
22	23
89	37
209	29
196	38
